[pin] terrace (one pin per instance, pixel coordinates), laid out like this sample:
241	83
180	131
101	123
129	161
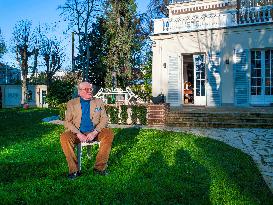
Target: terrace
214	15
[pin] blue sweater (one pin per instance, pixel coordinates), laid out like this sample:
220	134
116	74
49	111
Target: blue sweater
86	123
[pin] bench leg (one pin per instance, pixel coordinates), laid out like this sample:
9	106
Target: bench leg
79	155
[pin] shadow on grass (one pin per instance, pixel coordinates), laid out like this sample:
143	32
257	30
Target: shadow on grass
184	182
23	171
18	125
146	167
124	140
31	160
234	172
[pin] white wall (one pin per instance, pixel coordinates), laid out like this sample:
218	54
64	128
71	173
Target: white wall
11	96
222	40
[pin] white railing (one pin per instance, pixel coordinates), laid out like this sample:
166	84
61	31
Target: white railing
255	15
213	19
193	6
126	97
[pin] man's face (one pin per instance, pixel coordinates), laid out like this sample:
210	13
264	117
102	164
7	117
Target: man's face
85	91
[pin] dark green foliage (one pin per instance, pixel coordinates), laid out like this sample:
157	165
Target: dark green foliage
139	113
138	116
144	89
59	92
113	114
124	114
146	167
121	23
134	114
62	107
142	115
39	80
111	99
98	52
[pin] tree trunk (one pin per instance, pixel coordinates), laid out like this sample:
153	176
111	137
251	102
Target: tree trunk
47	59
24	90
86	70
24	68
34	70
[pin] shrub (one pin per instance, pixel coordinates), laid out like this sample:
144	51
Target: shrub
112	112
134	114
142	115
124	114
139	113
62	109
60	91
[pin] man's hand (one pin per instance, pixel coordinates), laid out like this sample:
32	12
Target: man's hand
82	137
92	135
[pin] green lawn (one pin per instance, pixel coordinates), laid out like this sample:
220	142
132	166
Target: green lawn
146	167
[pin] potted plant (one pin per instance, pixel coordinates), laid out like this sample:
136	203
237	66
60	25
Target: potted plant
25	105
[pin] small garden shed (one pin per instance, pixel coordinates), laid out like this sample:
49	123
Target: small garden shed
11	96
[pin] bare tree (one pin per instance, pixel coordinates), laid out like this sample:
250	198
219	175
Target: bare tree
2	45
21	38
53	55
35	46
80	14
158	8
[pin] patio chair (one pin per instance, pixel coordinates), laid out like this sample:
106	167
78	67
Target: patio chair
79	151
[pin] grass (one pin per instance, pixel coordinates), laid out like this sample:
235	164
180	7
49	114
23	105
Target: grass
146	166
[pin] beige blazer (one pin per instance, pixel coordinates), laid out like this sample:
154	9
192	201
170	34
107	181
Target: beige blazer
73	115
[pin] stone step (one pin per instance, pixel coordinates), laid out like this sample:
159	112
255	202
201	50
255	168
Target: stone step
219	119
221	125
196	114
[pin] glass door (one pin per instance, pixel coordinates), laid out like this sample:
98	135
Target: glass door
257	90
268	98
199	79
261	77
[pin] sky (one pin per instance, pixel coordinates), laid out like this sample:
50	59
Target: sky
38	11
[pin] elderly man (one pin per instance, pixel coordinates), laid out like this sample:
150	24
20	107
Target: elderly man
86	120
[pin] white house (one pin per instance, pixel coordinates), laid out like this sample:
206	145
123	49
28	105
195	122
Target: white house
214	53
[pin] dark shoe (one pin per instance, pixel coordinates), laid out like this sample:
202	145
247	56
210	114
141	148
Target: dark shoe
102	173
74	175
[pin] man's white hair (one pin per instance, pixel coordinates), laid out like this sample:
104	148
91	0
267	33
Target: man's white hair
82	84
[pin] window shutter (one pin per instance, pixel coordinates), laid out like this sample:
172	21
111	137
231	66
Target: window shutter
174	84
241	79
214	80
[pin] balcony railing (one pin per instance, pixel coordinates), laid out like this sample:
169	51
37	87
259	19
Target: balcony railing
178	1
255	15
213	20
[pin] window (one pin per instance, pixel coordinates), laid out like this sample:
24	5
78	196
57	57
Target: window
29	96
268	72
256	73
262	72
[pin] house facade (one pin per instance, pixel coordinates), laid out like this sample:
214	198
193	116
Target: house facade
214	53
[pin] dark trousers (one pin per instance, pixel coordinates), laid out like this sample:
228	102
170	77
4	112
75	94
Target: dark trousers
69	140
